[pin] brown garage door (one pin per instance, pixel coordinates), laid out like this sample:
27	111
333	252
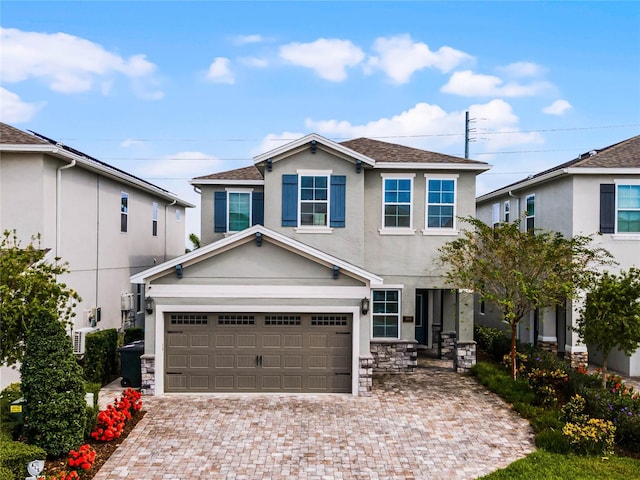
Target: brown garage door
252	352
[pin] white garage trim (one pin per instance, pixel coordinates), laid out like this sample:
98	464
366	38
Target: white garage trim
160	311
253	291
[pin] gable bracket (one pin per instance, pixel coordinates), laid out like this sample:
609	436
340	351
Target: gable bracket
336	272
314	146
269	164
258	239
358	166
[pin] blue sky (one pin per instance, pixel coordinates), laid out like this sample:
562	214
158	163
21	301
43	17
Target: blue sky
173	90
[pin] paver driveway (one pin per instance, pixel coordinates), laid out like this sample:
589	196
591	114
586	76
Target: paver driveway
434	424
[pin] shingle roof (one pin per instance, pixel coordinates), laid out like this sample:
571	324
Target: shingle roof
12	136
391	152
625	154
245	173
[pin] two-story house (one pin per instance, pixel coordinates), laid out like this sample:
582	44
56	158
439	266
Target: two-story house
106	223
596	193
318	265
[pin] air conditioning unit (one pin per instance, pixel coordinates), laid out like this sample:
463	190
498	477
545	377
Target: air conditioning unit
126	302
79	337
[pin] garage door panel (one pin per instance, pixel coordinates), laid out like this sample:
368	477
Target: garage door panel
259	352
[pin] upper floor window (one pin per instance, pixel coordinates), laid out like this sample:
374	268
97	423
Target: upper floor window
239	211
397	202
314	200
386	313
628	209
530	202
495	214
441	203
154	221
124	211
178	215
507	210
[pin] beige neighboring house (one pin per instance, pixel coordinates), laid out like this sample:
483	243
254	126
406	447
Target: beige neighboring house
318	265
596	193
106	223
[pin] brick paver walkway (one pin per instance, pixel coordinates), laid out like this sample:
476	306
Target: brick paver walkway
433	424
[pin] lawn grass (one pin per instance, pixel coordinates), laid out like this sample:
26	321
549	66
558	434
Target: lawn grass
542	465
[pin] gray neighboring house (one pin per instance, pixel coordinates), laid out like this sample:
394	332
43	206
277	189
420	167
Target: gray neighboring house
106	223
596	193
317	266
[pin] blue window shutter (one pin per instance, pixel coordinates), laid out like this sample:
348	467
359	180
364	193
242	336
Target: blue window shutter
338	200
257	208
289	200
607	208
220	212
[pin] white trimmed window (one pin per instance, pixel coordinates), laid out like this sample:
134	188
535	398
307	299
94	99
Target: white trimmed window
238	210
385	314
495	214
314	200
178	215
530	202
441	204
397	203
627	208
124	212
507	210
154	221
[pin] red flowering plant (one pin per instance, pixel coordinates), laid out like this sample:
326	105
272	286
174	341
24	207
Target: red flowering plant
110	422
63	475
82	458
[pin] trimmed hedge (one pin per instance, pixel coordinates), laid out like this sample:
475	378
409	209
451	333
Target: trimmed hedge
53	388
100	356
133	334
492	340
14	457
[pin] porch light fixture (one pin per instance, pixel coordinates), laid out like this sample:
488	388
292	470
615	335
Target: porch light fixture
364	305
148	305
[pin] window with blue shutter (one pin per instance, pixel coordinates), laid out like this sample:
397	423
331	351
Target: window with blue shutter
607	208
289	200
257	208
220	212
338	201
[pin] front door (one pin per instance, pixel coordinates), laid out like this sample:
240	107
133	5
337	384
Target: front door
422	320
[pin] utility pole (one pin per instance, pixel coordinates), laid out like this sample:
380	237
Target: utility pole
467	131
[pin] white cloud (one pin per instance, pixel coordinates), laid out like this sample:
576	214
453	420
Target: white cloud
400	57
68	64
254	62
131	142
559	107
14	110
273	140
220	72
245	39
469	84
328	57
522	69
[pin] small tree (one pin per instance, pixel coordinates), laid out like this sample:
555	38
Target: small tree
610	316
52	387
28	286
195	242
519	271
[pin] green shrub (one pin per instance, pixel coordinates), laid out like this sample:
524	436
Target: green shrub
133	334
497	379
95	389
14	457
9	394
90	421
53	388
553	441
100	356
594	437
628	432
492	340
5	473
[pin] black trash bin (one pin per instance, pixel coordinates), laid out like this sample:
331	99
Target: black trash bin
130	365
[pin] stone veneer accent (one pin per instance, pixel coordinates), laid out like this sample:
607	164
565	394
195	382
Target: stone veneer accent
577	359
365	377
548	346
148	367
465	356
394	355
447	345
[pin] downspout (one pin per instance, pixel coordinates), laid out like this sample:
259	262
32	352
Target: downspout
59	203
166	223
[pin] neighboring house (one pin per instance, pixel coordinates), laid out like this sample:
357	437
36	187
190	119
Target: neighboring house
106	223
318	264
596	193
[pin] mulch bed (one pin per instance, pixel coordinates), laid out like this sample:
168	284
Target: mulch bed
103	451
